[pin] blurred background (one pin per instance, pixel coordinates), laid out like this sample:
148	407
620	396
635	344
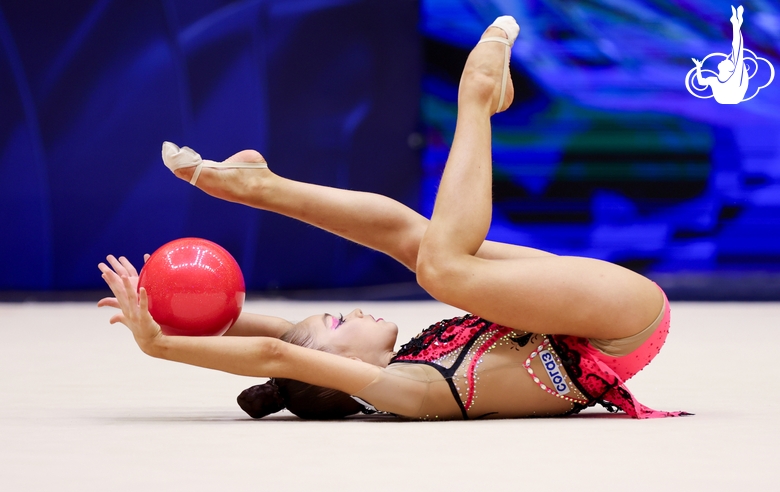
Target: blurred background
604	153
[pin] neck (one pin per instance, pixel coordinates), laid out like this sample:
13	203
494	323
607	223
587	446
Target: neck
387	358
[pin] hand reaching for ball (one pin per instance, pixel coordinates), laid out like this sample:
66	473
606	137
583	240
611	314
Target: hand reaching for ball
121	266
123	282
189	286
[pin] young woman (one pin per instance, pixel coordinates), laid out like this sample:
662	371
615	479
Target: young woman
549	335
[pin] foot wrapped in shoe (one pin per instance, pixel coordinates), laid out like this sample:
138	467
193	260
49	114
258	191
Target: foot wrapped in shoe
507	24
176	158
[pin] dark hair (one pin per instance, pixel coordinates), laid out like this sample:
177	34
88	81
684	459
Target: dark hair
307	401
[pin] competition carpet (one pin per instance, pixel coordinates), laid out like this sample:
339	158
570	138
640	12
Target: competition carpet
83	409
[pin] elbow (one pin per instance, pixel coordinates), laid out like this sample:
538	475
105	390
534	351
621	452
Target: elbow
269	354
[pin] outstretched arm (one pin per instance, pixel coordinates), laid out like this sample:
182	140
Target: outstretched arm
246	356
247	324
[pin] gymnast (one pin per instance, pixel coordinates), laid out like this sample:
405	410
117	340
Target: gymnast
548	335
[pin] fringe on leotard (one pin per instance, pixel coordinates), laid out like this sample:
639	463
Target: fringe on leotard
599	382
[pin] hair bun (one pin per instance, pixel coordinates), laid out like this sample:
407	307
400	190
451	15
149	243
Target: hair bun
261	400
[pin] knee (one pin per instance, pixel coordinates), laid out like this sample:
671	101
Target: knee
434	273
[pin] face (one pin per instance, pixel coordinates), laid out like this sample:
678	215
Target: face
356	335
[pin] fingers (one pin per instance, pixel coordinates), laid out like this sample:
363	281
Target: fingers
146	257
108	277
128	266
119	287
121	278
115	284
144	302
148	327
118	267
122	265
109	302
132	297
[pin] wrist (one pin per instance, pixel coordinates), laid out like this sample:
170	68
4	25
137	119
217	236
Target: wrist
152	346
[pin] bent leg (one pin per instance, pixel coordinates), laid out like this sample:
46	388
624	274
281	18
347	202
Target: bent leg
369	219
553	295
558	295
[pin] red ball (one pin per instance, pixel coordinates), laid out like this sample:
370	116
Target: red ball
194	286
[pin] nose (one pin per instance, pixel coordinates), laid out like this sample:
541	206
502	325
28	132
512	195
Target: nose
356	313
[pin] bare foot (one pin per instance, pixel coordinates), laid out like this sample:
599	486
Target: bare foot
485	70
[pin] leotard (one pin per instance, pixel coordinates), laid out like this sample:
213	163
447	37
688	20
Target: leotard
469	367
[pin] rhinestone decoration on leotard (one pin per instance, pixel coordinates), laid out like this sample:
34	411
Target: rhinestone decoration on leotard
442	344
482	346
441	338
527	364
590	377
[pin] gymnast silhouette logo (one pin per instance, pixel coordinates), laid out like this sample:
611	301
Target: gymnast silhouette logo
730	84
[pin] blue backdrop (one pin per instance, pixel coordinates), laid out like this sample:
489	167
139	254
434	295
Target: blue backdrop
328	91
604	153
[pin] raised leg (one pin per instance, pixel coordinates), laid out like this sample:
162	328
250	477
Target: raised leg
375	221
576	296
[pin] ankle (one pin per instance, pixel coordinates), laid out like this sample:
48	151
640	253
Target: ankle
255	188
476	87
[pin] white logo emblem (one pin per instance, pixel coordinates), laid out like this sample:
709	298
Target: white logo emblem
730	84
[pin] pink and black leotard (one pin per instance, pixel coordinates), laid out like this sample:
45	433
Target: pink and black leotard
468	367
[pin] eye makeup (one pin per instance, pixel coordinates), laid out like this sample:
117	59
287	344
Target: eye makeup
336	322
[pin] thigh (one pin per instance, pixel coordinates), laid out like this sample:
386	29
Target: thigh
628	364
552	294
492	250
